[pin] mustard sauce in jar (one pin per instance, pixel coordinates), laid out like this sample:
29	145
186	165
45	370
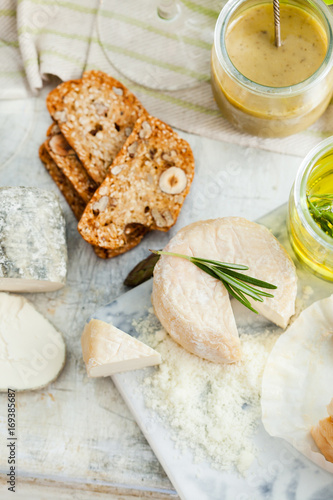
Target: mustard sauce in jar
267	90
251	48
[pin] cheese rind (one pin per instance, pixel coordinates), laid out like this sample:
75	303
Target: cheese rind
322	434
195	308
321	441
32	351
107	350
33	252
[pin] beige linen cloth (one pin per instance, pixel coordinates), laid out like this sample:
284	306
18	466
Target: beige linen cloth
64	37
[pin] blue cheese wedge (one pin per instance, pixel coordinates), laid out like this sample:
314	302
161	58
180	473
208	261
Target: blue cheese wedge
32	351
107	350
33	252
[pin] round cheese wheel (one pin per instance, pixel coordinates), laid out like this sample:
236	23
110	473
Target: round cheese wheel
195	308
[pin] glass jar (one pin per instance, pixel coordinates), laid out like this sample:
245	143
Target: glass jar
311	244
270	111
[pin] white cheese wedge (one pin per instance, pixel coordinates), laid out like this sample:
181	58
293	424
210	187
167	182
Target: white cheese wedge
33	252
32	351
107	350
195	308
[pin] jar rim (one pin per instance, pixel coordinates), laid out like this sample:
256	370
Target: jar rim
220	30
300	186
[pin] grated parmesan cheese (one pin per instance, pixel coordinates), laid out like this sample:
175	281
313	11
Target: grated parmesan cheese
213	409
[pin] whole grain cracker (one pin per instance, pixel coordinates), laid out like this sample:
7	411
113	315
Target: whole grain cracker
96	114
75	202
106	253
130	200
73	199
68	162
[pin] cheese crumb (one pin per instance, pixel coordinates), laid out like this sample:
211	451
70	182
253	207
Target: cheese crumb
212	408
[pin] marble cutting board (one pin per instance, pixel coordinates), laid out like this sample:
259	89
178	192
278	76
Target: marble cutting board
279	472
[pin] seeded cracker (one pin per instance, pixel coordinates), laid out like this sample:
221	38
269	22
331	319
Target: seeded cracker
73	199
75	202
144	189
96	115
69	164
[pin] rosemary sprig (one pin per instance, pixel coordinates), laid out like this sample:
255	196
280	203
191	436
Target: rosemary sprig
238	284
321	209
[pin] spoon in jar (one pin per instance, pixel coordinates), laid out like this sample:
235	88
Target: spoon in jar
276	8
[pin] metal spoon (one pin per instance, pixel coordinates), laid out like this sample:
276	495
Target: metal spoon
276	8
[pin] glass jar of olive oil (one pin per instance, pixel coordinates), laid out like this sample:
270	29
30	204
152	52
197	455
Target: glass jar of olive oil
310	221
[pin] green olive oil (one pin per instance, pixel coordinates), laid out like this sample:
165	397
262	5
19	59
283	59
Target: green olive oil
320	194
313	250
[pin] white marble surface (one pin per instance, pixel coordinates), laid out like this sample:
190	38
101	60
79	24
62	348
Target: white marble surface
277	465
79	431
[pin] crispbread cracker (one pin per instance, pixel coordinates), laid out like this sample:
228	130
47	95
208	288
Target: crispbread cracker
96	115
53	129
106	253
75	202
67	161
144	189
73	199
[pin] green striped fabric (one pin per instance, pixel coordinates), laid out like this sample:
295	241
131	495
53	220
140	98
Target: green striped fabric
167	68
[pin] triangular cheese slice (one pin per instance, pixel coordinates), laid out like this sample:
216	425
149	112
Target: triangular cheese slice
195	308
107	350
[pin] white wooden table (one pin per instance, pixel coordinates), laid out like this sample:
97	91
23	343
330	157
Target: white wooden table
116	462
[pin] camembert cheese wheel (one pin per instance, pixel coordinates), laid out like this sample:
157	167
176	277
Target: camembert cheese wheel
195	308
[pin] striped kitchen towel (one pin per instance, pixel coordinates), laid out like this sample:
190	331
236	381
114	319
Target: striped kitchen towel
167	69
41	37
